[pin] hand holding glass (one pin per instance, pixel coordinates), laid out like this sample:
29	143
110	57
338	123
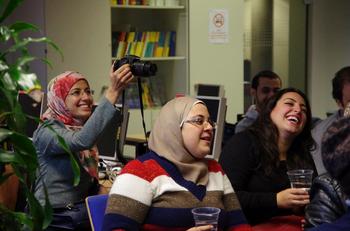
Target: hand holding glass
206	216
300	178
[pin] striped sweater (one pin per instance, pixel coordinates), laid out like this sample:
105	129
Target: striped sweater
151	194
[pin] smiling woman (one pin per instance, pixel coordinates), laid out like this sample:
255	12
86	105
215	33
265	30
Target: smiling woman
70	115
158	190
256	160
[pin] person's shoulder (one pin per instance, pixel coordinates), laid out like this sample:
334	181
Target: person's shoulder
326	182
146	167
214	166
241	142
323	178
46	126
241	138
324	124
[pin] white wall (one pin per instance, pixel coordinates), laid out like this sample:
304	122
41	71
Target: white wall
89	30
329	50
218	63
280	56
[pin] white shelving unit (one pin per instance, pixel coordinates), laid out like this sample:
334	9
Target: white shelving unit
172	70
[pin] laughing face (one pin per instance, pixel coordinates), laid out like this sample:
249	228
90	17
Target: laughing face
290	114
79	100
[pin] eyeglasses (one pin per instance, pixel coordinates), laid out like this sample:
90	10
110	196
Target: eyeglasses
199	120
80	92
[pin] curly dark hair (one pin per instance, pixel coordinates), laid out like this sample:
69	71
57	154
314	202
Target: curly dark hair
266	133
336	147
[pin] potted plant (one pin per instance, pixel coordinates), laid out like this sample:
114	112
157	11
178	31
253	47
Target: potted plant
19	151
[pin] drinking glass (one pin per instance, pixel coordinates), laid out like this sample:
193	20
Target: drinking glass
206	216
300	178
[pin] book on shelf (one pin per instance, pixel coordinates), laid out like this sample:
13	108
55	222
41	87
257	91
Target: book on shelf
129	2
115	43
172	43
153	93
143	44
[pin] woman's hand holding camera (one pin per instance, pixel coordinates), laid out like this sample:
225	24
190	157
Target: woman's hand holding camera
119	79
292	198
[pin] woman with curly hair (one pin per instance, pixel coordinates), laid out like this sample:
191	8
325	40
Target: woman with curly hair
257	160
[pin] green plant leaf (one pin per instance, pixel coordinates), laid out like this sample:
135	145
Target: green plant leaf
4	134
73	161
23	217
8	219
22	157
24	60
22	26
53	45
24	144
47	209
5	33
36	210
17	120
44	60
9	157
8	82
11	6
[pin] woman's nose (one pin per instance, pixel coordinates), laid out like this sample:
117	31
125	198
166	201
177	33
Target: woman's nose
297	108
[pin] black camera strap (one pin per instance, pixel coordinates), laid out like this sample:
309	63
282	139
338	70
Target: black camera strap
120	155
141	108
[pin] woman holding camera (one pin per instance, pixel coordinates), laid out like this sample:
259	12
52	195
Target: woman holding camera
69	114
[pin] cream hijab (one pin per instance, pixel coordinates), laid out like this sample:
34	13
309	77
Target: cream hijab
166	140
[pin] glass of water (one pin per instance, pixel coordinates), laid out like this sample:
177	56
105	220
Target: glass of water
206	216
300	178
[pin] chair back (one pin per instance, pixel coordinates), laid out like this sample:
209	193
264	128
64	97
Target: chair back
96	206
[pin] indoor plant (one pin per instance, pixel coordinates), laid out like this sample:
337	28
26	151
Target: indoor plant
21	155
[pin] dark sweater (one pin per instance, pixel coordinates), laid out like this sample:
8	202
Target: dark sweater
256	191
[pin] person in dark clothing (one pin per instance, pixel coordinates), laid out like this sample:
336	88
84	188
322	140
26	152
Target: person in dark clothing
256	160
330	192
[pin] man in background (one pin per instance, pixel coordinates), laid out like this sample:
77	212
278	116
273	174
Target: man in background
264	85
341	95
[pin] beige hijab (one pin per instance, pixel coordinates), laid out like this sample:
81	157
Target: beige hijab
166	140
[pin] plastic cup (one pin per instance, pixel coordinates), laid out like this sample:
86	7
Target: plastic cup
300	178
206	216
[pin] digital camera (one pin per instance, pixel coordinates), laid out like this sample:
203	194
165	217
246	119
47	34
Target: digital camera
138	67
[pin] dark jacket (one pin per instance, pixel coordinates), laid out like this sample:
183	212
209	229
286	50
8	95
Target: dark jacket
327	201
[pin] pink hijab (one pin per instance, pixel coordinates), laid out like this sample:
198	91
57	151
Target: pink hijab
167	141
58	89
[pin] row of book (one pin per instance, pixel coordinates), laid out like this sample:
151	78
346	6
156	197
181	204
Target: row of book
157	3
143	44
130	2
152	94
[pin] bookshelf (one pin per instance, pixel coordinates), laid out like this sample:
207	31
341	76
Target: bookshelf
172	75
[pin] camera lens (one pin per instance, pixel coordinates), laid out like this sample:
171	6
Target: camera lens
144	69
